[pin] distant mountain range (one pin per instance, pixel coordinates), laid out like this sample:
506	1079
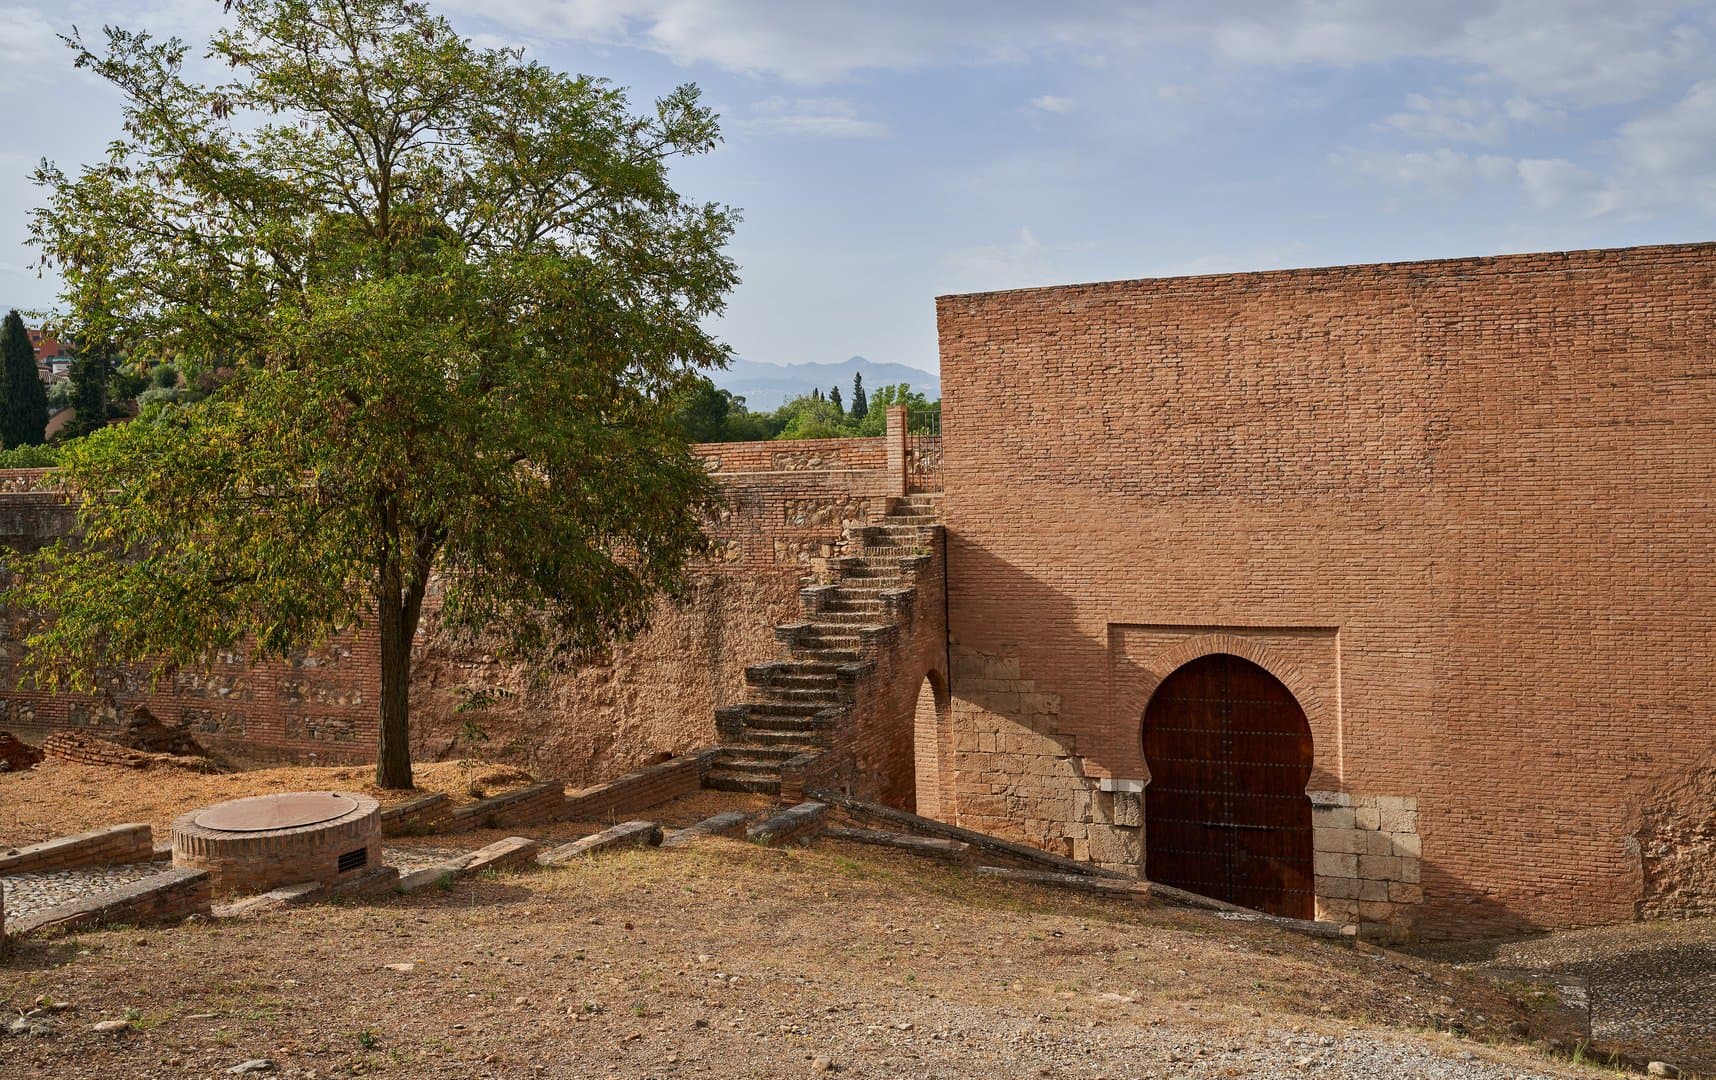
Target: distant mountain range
766	387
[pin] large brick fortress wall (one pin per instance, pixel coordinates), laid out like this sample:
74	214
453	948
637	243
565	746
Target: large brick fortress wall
650	697
1462	509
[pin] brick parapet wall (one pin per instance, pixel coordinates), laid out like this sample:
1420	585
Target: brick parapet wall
1476	492
640	790
415	817
788	502
111	846
531	805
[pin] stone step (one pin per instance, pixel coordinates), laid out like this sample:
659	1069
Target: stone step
796	741
833	656
785	708
763	783
789	680
761	723
820	696
746	752
847	619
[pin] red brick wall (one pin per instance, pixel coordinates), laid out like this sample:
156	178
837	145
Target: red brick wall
1463	508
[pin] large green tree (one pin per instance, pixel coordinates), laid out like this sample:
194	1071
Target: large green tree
459	299
23	398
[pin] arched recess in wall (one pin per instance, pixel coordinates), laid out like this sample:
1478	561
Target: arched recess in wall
932	752
1225	812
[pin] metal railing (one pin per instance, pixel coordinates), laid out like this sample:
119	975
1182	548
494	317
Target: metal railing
923	450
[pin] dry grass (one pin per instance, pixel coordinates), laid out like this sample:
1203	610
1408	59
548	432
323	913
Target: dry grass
60	798
725	960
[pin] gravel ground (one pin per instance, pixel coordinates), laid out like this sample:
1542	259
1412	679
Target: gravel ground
1651	986
728	960
28	893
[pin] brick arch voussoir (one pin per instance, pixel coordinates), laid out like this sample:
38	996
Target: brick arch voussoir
1170	660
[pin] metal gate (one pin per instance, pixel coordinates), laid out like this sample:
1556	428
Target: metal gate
1225	813
923	449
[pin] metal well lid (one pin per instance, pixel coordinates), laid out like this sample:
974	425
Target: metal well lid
261	813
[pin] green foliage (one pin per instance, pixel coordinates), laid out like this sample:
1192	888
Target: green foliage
834	400
28	456
444	304
88	396
708	413
718	416
860	402
23	398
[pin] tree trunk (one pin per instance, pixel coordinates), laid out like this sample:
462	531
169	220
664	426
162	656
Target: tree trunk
393	754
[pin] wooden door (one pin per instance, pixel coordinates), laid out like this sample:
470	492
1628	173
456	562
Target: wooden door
1225	813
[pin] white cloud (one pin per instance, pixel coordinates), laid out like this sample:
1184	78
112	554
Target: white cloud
828	117
1595	51
26	39
1444	172
1458	119
1053	103
1552	182
1548	183
1017	263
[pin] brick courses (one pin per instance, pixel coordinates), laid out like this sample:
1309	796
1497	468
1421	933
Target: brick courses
112	846
1463	507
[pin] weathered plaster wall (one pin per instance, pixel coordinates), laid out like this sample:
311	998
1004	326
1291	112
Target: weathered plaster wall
1463	508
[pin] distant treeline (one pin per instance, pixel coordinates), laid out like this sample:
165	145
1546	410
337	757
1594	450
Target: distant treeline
712	414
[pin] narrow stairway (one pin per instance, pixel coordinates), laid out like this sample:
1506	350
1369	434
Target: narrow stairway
798	702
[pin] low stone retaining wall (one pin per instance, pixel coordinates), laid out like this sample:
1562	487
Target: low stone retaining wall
511	853
730	824
992	848
531	805
103	847
625	834
956	852
166	897
416	817
640	790
800	824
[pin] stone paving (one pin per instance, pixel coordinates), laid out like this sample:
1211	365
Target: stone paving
28	893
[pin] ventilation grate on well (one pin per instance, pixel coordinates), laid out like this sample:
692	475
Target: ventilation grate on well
351	860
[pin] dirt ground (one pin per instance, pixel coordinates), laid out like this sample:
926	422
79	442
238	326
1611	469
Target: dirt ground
726	959
59	798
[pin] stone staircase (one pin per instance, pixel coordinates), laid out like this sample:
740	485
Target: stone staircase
798	702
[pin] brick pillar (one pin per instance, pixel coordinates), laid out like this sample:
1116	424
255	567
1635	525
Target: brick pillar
897	448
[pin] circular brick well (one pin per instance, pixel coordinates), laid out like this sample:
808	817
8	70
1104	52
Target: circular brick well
256	844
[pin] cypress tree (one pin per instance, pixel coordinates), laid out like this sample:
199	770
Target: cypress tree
860	403
834	397
23	398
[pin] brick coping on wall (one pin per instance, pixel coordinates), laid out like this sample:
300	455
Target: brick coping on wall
1512	263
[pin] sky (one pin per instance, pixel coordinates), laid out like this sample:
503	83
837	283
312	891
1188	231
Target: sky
885	152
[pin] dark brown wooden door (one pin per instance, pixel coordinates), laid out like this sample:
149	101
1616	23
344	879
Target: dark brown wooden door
1225	814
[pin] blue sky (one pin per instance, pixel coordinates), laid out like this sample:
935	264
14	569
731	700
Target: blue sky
886	152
